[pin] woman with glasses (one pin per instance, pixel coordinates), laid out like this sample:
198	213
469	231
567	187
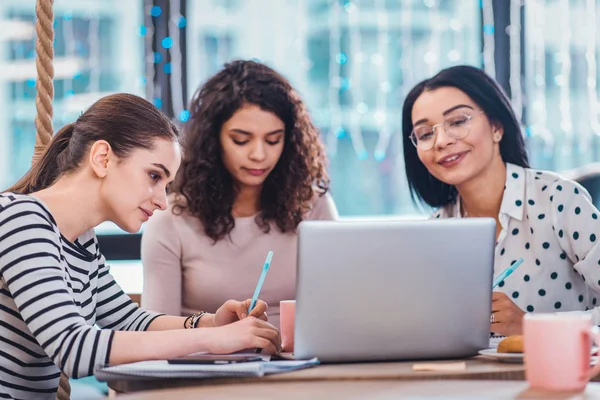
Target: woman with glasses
465	155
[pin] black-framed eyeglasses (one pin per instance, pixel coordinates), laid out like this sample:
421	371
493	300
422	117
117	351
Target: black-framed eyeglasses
457	126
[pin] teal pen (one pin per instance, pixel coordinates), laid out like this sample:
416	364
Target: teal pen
506	273
261	280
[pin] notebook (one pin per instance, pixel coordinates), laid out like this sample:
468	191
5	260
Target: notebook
162	369
495	340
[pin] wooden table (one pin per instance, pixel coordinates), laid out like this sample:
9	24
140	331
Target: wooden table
372	389
478	368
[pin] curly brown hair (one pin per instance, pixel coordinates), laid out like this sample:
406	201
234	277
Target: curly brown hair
205	189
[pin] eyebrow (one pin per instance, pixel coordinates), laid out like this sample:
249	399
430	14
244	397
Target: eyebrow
165	170
243	132
448	111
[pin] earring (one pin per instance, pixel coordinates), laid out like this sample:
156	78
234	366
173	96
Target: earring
497	137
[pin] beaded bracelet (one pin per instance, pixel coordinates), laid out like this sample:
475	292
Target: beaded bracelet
191	322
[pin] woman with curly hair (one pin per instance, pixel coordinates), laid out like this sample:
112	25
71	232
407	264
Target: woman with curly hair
253	169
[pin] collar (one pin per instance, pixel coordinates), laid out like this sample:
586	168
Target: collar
513	200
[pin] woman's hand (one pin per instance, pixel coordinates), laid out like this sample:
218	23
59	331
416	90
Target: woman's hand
248	333
507	317
233	311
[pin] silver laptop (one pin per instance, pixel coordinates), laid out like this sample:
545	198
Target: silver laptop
394	290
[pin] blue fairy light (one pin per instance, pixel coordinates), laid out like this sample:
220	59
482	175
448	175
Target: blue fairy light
379	155
184	115
155	11
345	84
167	42
340	132
341	58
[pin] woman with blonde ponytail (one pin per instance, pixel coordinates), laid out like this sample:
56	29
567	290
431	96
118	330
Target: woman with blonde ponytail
60	309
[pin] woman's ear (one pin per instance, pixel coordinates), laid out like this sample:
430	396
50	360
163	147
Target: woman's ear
100	154
497	132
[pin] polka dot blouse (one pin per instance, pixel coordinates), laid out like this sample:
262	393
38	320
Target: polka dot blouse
551	223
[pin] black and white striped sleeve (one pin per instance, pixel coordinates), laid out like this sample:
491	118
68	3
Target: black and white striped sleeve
115	310
30	265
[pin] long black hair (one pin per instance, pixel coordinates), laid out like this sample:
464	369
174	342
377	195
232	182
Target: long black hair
488	95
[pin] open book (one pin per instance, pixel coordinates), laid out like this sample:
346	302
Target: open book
162	369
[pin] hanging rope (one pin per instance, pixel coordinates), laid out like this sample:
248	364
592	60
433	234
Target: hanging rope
64	388
44	26
44	47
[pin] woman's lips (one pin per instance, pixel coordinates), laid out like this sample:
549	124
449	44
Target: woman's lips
256	172
452	159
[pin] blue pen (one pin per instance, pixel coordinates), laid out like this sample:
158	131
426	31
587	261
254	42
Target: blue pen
506	273
261	280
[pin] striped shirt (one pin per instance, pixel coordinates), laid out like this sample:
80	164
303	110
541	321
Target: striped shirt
59	305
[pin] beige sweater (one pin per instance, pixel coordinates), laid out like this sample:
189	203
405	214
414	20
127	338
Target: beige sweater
185	272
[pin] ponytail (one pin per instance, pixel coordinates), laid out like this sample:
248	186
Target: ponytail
49	167
125	121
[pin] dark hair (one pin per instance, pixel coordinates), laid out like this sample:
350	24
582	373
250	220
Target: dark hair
125	121
206	189
488	95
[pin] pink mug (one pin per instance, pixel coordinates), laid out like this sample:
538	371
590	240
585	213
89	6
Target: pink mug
557	350
287	316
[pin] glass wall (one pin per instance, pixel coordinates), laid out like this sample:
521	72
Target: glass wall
353	62
562	111
99	49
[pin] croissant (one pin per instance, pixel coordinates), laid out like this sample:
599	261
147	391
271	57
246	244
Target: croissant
512	344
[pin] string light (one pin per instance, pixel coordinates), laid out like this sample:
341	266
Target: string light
592	69
407	59
222	51
489	43
300	42
19	48
175	66
69	35
355	77
536	76
150	59
454	54
514	33
432	56
383	41
94	66
335	62
565	76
